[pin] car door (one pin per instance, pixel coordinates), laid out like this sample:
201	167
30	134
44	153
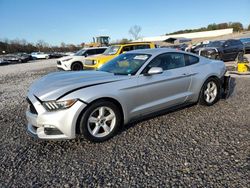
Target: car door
167	89
229	50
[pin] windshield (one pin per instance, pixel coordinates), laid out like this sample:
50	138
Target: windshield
125	64
215	44
80	52
245	40
111	50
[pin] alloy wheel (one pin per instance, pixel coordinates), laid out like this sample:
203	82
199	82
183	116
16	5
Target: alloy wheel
101	122
211	92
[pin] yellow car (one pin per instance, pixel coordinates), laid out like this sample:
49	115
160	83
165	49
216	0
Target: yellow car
96	61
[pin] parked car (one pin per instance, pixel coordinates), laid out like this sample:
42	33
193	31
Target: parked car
246	43
16	57
39	55
94	62
226	50
132	85
75	62
56	55
3	61
23	57
196	48
177	47
11	58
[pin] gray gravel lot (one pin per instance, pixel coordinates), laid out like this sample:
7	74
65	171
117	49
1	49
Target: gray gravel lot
195	146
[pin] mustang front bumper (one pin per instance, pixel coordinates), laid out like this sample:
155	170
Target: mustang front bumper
59	124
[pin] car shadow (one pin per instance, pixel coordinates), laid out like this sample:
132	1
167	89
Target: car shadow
154	115
231	88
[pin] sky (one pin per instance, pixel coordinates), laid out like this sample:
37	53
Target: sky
77	21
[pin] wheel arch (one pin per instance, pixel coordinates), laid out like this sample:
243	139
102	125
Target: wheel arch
209	77
110	99
73	62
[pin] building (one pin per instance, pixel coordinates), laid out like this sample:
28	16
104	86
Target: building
187	36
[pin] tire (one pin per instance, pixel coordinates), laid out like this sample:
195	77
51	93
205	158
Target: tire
210	92
96	124
77	66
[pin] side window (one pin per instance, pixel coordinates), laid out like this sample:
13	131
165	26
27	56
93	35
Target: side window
100	50
168	61
143	46
91	52
126	49
236	42
190	60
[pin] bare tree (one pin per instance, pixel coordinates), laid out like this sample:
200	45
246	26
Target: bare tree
134	31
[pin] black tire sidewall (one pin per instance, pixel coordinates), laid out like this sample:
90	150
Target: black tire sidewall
202	100
84	121
76	64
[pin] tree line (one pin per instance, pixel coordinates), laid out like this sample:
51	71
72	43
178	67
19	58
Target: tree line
13	46
237	27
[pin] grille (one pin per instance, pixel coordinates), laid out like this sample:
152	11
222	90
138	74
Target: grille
89	62
59	63
31	107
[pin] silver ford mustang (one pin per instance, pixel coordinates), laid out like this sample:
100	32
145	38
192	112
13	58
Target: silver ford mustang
132	85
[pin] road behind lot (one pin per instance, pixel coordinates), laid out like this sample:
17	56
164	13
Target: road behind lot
195	146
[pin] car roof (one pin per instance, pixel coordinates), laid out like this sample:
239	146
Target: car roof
155	51
133	43
92	48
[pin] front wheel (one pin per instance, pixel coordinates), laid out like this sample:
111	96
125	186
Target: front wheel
210	92
77	66
100	121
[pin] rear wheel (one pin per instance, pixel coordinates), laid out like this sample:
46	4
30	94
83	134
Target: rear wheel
76	66
210	92
100	121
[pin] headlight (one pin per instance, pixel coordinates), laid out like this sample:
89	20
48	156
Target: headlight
95	62
58	105
67	59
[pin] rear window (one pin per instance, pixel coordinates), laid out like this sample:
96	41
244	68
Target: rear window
143	46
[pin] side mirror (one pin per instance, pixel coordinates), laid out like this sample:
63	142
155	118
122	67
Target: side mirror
154	70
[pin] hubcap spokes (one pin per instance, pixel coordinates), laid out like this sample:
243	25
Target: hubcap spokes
210	92
101	121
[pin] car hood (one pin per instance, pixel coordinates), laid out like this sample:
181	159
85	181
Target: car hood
54	85
72	58
99	57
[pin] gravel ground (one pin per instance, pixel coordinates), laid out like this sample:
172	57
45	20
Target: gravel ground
195	146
